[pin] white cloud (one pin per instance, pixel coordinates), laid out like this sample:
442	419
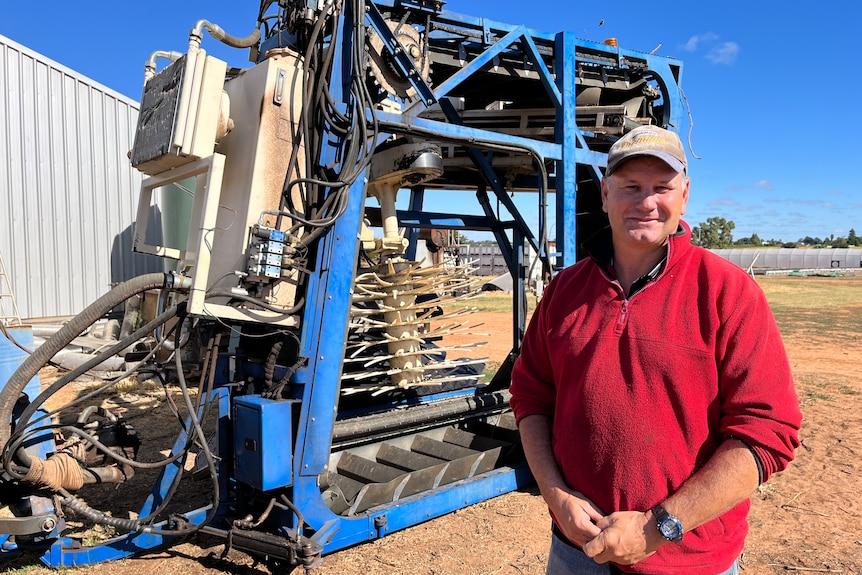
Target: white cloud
764	185
723	202
749	209
805	202
694	41
716	52
725	53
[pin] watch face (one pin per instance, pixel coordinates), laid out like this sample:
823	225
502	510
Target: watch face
669	528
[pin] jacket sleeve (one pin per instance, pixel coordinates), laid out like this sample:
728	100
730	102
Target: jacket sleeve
533	390
758	397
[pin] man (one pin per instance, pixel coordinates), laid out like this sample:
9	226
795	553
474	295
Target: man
653	392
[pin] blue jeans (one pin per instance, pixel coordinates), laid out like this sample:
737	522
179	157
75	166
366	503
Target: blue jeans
566	559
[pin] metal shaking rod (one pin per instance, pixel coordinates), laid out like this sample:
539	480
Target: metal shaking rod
393	307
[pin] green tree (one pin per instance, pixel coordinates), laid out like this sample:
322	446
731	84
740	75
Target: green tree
754	240
457	238
714	233
853	239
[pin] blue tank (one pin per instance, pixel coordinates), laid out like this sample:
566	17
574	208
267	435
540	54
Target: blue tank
12	356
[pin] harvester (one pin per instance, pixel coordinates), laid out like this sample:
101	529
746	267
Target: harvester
311	337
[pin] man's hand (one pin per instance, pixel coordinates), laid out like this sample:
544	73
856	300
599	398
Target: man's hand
575	515
625	538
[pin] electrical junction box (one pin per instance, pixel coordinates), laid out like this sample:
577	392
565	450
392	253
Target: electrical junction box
184	112
263	443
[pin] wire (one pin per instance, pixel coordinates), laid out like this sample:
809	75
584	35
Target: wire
254	301
38	401
324	195
690	122
25	430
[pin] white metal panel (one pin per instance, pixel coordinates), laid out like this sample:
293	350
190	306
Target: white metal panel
68	193
794	258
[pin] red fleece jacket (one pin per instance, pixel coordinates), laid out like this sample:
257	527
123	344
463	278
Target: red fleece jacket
642	391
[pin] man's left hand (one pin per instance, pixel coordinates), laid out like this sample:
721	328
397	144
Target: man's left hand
626	538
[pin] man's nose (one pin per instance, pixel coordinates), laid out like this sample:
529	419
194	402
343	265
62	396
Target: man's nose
647	201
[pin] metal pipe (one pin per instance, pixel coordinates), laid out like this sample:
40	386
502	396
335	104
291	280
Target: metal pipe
150	66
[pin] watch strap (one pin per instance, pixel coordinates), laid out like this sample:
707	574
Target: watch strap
663	519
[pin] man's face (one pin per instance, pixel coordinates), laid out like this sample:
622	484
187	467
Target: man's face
644	199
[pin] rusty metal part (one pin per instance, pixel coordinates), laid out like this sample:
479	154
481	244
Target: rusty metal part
383	66
58	472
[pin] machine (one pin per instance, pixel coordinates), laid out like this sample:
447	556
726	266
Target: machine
304	337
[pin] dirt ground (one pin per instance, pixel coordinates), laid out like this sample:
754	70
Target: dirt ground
807	519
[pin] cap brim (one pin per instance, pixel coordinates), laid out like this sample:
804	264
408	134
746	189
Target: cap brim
668	159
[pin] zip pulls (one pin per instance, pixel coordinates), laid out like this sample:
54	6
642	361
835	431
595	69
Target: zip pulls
623	317
642	283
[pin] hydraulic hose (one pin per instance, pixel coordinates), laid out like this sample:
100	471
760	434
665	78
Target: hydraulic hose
349	432
129	340
219	34
41	356
254	301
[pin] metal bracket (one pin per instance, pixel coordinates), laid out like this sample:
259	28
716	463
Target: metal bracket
35	525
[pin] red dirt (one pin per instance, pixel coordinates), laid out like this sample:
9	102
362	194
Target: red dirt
806	519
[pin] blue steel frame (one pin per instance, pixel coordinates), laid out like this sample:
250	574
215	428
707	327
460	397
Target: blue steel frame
321	377
325	321
64	552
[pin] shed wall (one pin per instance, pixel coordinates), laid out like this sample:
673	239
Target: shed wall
68	194
794	258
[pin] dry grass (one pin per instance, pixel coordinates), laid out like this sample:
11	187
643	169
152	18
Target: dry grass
816	307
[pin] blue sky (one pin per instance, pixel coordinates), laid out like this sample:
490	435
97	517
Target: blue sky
773	87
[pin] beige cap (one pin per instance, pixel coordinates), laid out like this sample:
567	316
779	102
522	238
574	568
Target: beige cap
648	141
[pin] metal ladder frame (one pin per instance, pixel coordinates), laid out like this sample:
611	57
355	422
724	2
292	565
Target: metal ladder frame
4	277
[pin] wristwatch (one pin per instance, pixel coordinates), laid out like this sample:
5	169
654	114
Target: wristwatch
668	525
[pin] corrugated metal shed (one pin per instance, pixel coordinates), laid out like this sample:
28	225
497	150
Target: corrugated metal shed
68	194
794	258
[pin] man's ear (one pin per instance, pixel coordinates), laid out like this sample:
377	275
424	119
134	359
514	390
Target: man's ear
605	194
685	195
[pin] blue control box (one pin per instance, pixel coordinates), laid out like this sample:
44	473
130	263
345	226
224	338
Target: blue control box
263	442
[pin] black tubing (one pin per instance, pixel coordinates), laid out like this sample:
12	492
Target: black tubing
43	354
347	431
36	402
254	301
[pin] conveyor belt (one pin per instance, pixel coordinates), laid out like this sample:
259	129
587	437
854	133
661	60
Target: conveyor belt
361	478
